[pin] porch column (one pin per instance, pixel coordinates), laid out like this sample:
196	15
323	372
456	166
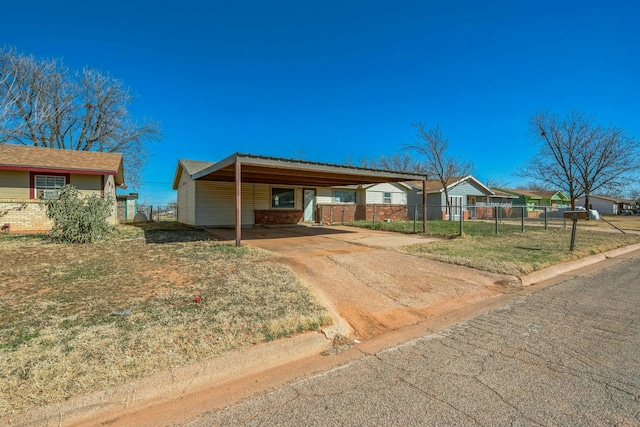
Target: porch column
238	204
424	205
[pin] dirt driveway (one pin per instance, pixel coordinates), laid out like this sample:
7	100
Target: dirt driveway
363	276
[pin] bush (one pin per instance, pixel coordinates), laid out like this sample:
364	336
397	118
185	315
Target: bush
78	219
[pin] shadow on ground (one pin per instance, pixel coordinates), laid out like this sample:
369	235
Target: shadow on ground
170	232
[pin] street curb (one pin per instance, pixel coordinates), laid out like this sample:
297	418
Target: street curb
175	383
567	267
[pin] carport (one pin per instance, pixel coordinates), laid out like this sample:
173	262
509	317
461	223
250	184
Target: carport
239	168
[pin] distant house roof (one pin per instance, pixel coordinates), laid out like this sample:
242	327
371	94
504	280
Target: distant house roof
532	194
610	199
274	170
434	186
40	159
499	193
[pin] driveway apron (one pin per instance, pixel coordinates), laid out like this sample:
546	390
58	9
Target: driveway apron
364	278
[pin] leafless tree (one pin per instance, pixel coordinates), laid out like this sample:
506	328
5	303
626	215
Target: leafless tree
497	183
579	156
438	163
397	162
43	103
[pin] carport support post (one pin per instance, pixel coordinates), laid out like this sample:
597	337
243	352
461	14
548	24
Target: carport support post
424	205
238	204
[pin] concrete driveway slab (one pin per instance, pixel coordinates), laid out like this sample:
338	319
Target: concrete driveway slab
361	278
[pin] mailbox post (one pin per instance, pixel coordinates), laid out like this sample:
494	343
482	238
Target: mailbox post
574	216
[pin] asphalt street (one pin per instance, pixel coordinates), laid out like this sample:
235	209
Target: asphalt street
566	355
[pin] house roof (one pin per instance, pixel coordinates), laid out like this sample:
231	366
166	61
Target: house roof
610	199
40	159
532	194
274	170
499	193
434	186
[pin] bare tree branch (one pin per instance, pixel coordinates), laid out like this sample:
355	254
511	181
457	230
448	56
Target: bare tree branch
439	164
578	156
43	104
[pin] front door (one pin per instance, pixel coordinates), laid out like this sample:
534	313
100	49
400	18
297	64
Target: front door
456	208
309	203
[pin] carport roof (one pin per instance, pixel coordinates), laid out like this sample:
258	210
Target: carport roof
273	170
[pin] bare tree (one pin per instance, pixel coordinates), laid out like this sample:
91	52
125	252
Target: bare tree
439	164
580	157
397	162
42	103
497	183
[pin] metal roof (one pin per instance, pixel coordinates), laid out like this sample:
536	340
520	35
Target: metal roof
274	170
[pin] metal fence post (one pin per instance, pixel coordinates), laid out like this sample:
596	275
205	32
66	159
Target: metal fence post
495	216
461	219
522	221
545	217
415	217
374	216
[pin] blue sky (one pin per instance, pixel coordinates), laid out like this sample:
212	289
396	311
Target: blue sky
326	81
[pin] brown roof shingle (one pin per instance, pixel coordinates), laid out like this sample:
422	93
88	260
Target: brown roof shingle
20	157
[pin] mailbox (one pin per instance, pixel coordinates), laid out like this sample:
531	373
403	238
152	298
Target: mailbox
574	215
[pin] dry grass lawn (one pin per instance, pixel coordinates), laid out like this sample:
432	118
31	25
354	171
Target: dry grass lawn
522	253
59	336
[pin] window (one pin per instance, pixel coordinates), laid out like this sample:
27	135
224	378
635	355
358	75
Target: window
283	198
48	186
386	199
344	196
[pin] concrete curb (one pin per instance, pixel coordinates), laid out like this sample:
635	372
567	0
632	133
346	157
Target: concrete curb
567	267
176	383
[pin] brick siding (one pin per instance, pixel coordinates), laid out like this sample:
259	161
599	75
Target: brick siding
347	213
283	216
24	216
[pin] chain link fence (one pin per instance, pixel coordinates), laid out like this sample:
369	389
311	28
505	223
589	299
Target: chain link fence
470	219
151	212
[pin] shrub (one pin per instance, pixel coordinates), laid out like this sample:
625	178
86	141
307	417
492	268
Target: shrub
78	219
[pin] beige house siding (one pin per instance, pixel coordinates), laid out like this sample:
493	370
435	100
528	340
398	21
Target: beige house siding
375	194
87	184
216	203
110	191
186	202
324	196
262	196
14	184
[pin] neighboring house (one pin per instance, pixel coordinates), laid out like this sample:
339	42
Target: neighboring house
466	193
501	199
28	174
279	191
127	206
607	205
537	201
388	193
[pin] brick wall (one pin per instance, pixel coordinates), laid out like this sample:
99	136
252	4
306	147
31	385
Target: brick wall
24	216
347	213
280	216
